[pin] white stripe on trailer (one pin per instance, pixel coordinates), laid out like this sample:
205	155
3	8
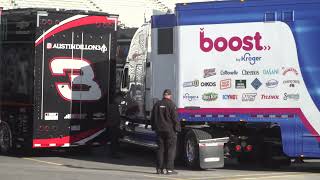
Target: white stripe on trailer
197	115
37	145
284	116
232	115
53	145
272	116
211	159
83	141
220	116
209	115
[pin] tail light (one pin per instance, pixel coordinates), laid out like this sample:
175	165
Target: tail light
249	148
238	148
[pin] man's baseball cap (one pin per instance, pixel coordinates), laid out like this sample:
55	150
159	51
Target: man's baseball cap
167	92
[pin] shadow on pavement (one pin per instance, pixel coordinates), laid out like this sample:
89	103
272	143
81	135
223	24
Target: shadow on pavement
135	156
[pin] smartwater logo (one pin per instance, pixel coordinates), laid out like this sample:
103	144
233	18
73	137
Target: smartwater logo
88	47
235	43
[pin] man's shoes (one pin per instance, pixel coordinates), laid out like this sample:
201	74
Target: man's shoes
171	172
160	171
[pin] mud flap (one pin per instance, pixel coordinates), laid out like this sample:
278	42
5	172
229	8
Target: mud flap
211	153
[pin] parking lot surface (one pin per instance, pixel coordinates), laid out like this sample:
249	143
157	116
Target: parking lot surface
136	163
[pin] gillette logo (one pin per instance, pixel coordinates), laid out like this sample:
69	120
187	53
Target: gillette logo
235	43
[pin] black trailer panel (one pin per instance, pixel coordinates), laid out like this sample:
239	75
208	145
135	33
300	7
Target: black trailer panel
67	55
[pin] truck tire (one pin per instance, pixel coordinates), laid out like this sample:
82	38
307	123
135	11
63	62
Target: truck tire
5	138
191	147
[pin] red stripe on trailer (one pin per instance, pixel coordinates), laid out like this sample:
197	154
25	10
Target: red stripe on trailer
43	143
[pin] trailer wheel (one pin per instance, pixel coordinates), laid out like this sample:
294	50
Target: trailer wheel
191	147
5	138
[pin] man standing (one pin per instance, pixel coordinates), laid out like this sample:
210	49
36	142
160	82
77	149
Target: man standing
164	123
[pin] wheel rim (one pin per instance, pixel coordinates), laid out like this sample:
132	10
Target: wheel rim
190	150
4	138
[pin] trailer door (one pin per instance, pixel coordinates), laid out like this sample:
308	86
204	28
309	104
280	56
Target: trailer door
74	56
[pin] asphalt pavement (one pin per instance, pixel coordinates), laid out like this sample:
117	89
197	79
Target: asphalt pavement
136	163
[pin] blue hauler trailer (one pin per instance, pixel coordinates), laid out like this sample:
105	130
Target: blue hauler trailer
245	70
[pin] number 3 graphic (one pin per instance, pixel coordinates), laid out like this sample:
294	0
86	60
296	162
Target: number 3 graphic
80	73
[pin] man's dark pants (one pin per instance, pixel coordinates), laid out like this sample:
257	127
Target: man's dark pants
166	152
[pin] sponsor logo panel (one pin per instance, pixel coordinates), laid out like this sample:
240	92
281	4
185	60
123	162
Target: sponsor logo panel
291	83
291	96
249	97
190	97
256	84
270	71
229	97
241	84
228	73
210	96
225	84
289	70
272	83
250	73
209	72
269	97
194	83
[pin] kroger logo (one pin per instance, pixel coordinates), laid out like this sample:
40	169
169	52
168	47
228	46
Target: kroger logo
248	58
189	97
272	83
235	43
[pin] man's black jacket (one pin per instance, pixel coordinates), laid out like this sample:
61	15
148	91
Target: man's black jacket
164	116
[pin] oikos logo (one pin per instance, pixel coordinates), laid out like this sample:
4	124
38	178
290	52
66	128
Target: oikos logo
248	58
272	83
208	84
211	96
235	43
189	97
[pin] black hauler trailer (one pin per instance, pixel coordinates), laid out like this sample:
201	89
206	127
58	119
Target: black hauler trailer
56	77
